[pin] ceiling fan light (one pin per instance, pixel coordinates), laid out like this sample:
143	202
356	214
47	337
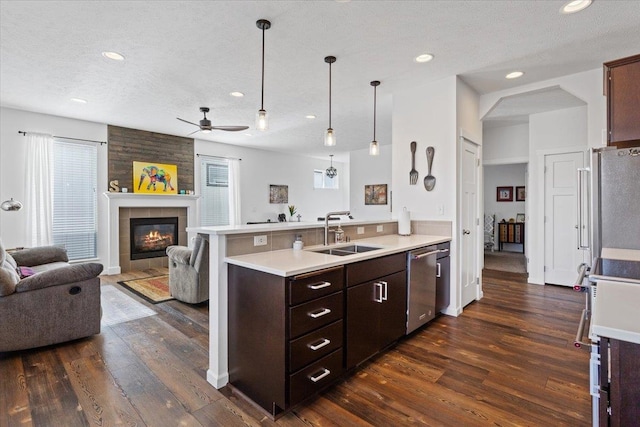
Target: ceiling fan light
262	120
329	138
374	149
206	131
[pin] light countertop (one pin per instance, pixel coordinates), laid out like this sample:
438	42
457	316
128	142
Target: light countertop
615	311
279	226
289	262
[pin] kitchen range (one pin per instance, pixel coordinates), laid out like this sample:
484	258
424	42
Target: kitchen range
609	227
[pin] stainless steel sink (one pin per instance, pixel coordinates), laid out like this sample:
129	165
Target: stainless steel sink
346	250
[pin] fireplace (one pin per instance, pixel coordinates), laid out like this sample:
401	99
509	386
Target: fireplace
151	236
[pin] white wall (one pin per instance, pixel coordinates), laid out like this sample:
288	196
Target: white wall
435	114
549	133
506	144
586	85
367	170
260	168
13	160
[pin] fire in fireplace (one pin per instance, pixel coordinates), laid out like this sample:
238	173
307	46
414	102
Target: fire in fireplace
151	236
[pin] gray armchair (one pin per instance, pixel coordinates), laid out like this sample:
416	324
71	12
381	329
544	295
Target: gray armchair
189	271
52	302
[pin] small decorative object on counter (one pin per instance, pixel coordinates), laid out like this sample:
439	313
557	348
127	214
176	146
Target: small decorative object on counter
339	235
292	212
298	244
298	216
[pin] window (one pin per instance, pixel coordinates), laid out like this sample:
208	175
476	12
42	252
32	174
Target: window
321	180
74	198
214	204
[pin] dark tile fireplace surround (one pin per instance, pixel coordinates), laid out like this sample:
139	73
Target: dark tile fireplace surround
145	216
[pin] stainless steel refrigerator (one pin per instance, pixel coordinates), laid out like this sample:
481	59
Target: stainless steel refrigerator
608	227
609	211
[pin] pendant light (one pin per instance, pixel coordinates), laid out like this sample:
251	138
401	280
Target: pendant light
11	205
262	119
331	171
374	150
329	135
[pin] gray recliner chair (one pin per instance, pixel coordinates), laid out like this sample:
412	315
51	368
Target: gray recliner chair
189	271
44	300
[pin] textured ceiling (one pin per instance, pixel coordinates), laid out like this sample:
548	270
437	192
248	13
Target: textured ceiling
184	55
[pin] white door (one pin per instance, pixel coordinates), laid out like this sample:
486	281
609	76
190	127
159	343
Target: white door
469	222
561	252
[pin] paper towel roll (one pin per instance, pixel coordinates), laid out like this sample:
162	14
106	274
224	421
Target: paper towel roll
404	223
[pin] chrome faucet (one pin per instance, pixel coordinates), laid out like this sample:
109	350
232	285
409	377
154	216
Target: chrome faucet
326	224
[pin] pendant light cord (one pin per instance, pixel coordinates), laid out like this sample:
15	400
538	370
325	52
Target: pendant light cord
262	95
374	111
329	94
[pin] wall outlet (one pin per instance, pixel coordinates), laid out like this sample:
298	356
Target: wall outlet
379	228
259	240
360	230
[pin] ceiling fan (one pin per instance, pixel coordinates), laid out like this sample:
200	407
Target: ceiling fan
205	124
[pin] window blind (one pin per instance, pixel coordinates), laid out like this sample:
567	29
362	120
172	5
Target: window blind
74	198
214	204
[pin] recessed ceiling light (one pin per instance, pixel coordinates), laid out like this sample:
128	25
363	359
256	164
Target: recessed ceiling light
79	100
514	75
248	134
425	57
237	94
310	116
575	6
113	55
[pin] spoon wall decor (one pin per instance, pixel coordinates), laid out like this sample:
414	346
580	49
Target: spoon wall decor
429	180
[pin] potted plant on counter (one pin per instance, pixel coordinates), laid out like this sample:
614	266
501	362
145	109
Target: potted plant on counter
292	212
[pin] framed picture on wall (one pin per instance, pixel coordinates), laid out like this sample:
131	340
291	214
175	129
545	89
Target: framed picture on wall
520	217
278	193
504	194
521	194
375	194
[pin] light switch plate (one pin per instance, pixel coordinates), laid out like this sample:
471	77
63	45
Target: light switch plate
360	230
259	240
380	228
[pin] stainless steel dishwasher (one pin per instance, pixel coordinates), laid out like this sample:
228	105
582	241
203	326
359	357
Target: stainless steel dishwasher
421	286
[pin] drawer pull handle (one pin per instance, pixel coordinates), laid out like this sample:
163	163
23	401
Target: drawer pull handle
324	373
320	313
320	286
325	342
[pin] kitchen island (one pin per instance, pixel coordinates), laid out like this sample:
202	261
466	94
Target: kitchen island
284	262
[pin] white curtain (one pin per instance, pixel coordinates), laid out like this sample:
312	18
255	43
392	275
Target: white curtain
39	184
234	192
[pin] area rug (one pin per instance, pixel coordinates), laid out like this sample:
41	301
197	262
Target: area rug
118	307
505	261
153	289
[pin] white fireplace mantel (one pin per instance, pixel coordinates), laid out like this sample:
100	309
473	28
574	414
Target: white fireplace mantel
115	201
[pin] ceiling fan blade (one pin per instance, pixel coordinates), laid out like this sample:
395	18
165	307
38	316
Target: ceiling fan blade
195	131
183	120
230	128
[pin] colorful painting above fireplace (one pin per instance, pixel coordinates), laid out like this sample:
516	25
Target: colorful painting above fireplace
155	178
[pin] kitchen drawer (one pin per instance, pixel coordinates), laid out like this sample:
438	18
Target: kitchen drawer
365	271
315	314
305	287
315	377
315	345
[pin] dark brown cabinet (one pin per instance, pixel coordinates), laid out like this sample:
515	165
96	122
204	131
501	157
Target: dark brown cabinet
510	232
286	335
619	383
622	89
443	277
376	306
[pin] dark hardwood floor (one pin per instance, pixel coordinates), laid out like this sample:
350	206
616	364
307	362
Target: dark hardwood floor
507	360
